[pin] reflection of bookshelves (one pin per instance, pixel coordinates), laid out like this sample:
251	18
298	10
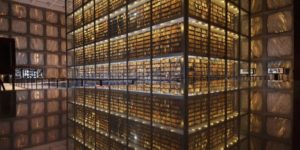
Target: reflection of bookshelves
155	79
40	121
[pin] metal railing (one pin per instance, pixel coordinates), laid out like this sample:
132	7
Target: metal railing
46	83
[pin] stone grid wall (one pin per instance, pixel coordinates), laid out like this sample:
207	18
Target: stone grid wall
40	36
272	101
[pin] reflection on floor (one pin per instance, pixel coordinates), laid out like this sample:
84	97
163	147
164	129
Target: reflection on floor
40	119
60	145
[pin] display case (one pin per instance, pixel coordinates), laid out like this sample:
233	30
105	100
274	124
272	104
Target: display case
139	45
138	16
167	39
164	10
89	34
101	52
88	12
101	8
118	49
101	29
160	73
118	23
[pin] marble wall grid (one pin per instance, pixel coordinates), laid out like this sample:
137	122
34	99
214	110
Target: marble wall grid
40	36
272	101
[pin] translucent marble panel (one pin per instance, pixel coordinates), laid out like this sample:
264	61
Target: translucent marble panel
22	110
277	146
19	26
3	24
70	58
36	29
273	4
280	22
22	95
36	14
53	135
19	11
255	123
37	58
63	60
63	46
3	8
37	138
63	93
245	49
255	143
62	19
37	108
52	31
69	24
244	3
52	59
37	95
36	43
51	17
64	132
52	106
256	101
278	127
20	125
21	141
5	143
256	48
245	24
256	26
21	58
53	120
52	93
64	119
280	46
69	45
280	103
52	45
37	123
52	73
256	5
63	32
4	128
21	42
63	73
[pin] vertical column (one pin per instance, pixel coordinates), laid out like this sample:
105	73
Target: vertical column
208	73
186	71
296	133
95	76
74	64
151	73
109	74
249	70
126	80
239	76
226	72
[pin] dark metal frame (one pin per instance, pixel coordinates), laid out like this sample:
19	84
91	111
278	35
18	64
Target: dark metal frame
185	47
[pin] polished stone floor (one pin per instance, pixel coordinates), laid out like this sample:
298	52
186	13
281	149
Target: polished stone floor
39	121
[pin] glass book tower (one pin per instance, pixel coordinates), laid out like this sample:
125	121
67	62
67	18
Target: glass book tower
159	74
